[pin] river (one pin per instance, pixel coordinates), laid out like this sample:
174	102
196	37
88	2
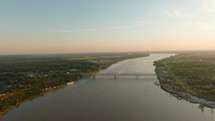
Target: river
107	99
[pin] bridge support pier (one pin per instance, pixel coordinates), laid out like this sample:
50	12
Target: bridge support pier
94	76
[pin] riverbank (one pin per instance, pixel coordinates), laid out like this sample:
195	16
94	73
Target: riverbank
124	99
41	82
189	77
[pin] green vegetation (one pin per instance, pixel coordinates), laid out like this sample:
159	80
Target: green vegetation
192	73
28	76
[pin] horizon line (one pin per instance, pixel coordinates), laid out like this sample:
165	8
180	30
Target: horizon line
62	53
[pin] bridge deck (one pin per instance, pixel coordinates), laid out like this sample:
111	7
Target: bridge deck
127	74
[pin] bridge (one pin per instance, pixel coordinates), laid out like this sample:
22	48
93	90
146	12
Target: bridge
137	75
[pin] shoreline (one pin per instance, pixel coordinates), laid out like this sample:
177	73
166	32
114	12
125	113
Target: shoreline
29	99
190	97
46	90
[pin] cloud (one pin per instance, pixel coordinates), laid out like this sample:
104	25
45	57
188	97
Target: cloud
120	27
75	30
91	29
179	14
198	25
144	23
207	6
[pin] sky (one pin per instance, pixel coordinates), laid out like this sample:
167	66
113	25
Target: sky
74	26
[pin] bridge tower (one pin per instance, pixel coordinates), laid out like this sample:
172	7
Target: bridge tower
137	75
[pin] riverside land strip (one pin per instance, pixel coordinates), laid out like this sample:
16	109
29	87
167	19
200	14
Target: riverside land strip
189	76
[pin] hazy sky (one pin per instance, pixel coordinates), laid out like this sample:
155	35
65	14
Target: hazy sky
64	26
